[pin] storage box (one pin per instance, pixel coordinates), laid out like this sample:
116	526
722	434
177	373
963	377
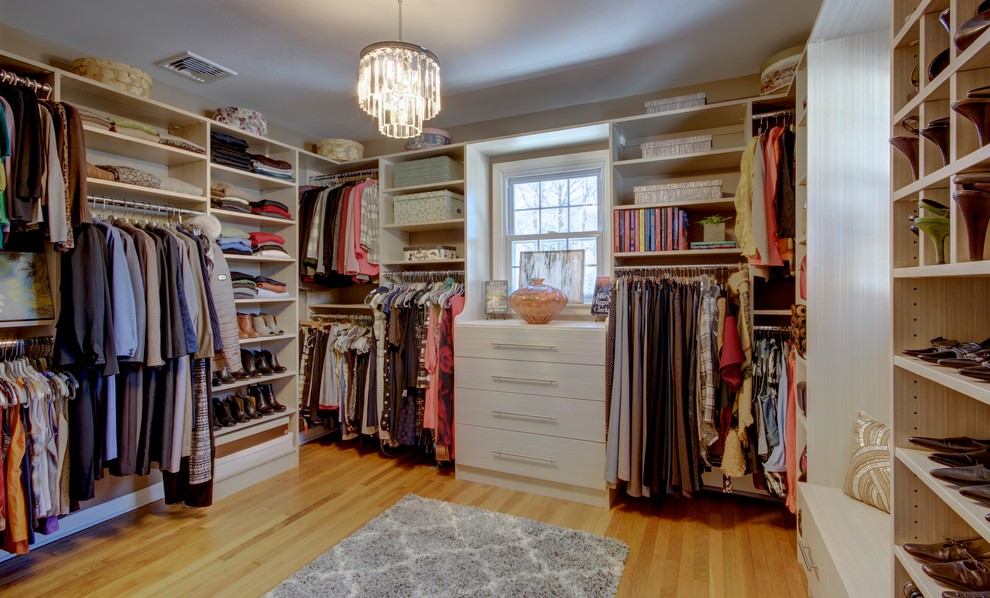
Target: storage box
342	150
428	207
691	100
689	191
676	147
427	253
424	172
117	74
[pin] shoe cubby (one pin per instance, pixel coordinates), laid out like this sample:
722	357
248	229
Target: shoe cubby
927	308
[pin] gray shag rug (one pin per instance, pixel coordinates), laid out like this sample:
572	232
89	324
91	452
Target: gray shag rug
430	548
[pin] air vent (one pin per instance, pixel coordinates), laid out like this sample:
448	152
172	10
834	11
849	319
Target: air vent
196	67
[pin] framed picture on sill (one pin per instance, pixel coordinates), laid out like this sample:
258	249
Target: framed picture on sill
496	297
599	301
563	269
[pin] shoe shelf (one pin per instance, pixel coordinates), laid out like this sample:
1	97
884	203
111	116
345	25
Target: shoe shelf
908	34
254	426
262	339
947	377
977	269
976	161
927	585
232	216
264	301
971	511
147	194
251	381
102	140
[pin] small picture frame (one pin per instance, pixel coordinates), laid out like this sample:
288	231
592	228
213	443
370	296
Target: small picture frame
599	301
496	297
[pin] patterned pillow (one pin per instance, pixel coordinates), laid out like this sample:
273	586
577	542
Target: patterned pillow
868	478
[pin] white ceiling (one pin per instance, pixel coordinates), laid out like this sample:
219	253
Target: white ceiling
297	59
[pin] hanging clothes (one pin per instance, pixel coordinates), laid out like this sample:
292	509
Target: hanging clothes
339	234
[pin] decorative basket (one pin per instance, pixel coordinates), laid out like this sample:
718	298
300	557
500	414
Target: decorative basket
342	150
245	119
691	100
117	74
691	190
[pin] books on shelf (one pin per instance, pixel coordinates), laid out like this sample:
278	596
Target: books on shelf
713	244
650	230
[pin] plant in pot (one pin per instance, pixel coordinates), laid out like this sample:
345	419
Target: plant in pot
714	227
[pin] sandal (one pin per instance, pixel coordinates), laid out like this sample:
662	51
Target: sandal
937	344
958	351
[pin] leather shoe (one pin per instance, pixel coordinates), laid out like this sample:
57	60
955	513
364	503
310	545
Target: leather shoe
959	351
958	444
961	459
964	476
980	493
938	344
945	552
971	574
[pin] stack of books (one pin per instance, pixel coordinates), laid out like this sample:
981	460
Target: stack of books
650	229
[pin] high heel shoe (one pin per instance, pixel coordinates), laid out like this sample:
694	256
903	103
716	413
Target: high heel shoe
975	208
261	326
225	376
268	392
261	365
247	404
908	145
937	132
221	412
935	225
971	30
938	64
259	400
977	110
247	360
236	409
272	361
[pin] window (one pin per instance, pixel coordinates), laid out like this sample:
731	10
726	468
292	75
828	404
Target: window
551	204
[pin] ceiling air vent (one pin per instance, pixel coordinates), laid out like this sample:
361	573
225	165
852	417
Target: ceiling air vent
196	67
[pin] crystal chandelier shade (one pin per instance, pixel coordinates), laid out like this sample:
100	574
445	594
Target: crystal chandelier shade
399	84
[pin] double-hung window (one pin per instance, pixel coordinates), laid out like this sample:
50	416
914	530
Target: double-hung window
548	204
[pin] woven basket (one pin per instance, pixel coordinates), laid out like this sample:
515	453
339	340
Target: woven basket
117	74
341	150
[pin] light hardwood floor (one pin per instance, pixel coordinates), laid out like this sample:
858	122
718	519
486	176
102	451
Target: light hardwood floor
247	543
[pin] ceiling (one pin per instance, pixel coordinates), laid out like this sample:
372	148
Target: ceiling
297	59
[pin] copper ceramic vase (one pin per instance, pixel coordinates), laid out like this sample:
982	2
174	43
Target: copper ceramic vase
538	303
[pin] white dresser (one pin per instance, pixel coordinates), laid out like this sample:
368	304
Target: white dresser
530	407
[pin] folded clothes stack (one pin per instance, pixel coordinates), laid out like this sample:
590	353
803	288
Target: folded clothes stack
235	245
94	118
279	169
244	285
220	197
180	142
269	288
269	207
140	178
268	244
135	129
229	150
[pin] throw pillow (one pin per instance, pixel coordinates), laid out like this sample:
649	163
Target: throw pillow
868	478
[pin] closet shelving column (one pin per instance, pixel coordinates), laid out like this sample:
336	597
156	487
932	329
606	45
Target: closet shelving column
264	446
29	328
396	236
930	300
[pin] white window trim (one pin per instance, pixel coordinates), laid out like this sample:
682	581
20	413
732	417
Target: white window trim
503	171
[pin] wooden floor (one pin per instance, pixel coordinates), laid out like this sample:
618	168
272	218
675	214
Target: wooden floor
244	545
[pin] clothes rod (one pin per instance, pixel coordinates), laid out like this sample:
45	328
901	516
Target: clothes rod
367	172
131	204
424	275
780	329
763	115
15	79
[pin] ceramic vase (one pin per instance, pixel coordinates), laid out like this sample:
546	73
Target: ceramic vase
538	303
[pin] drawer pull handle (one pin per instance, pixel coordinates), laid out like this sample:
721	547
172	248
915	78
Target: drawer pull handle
511	379
548	418
521	346
518	456
806	557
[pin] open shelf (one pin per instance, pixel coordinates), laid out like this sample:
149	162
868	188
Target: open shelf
458	262
135	192
341	306
256	425
734	251
720	159
712	204
979	268
264	300
258	144
969	510
948	377
231	216
927	585
456	186
453	224
711	116
102	140
248	179
233	257
251	381
262	339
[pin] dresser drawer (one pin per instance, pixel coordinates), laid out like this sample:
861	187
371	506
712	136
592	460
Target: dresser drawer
562	460
559	344
531	378
565	418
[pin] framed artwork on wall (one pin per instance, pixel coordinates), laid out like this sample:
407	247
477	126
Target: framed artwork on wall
563	269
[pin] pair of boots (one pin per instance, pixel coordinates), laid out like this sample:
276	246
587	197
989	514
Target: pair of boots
258	401
260	363
256	325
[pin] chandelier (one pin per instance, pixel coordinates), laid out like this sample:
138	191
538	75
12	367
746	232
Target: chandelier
399	84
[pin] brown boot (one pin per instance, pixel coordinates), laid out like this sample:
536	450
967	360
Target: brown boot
245	328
